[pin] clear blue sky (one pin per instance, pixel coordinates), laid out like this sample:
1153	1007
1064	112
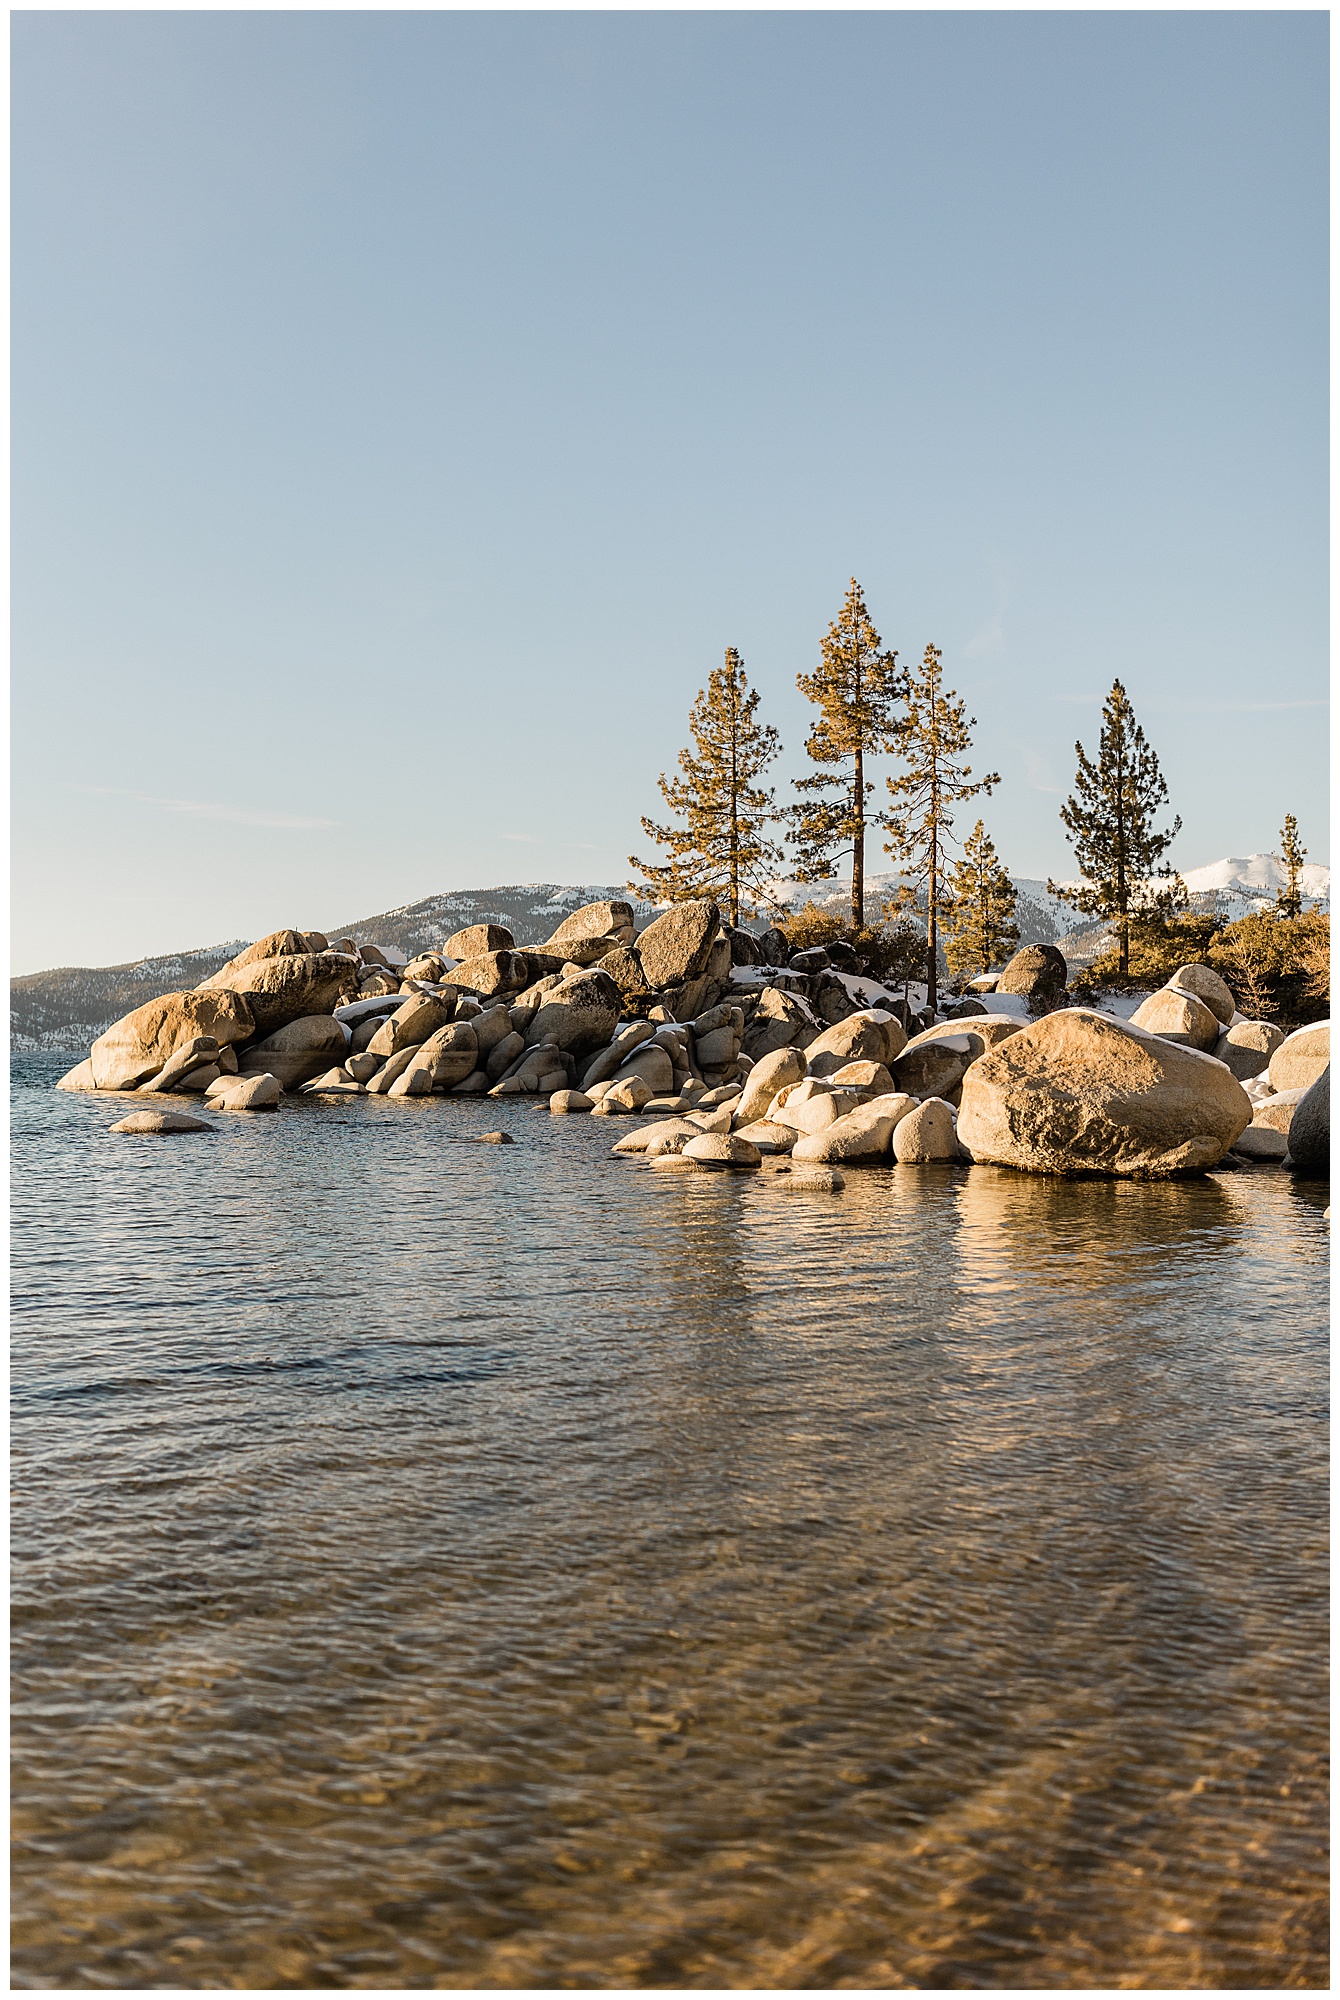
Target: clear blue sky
409	409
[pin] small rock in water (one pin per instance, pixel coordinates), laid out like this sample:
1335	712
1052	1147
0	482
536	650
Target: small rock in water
721	1149
810	1180
496	1139
571	1100
161	1121
247	1093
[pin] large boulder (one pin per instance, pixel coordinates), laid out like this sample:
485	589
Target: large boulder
1080	1093
926	1135
1301	1057
1277	1112
488	972
936	1062
245	1093
679	944
199	1053
865	1133
412	1023
279	944
1310	1131
871	1076
1206	985
1178	1016
653	1064
625	968
610	1060
870	1036
779	1020
726	1150
78	1078
769	1075
297	1052
450	1054
811	1106
613	920
284	988
579	1014
477	940
137	1046
1247	1047
1038	972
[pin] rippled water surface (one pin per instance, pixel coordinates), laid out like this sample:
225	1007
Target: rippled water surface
457	1565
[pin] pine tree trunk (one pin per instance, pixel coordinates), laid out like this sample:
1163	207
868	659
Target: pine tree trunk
734	821
858	847
932	938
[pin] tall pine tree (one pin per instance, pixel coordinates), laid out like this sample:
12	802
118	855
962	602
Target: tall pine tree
921	820
723	850
856	689
1109	820
1289	899
980	930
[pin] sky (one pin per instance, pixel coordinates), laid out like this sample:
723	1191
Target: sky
409	409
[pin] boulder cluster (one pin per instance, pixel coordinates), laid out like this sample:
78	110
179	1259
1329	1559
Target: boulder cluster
737	1051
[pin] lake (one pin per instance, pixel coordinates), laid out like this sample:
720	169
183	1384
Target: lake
453	1565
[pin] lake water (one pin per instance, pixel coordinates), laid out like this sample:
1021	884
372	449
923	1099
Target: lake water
456	1565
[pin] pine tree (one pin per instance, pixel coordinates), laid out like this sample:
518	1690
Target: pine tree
980	930
936	734
1109	823
855	688
1289	899
722	851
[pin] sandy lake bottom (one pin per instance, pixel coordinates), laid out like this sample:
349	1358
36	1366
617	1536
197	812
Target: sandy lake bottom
455	1565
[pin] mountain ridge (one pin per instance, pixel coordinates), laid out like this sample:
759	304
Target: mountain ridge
68	1007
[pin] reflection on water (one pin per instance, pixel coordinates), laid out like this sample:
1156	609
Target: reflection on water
443	1565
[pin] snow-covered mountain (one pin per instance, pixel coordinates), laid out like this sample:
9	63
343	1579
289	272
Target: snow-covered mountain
1234	886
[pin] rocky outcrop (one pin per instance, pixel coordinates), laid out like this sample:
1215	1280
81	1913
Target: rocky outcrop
579	1014
136	1048
779	1060
1079	1093
286	986
298	1052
